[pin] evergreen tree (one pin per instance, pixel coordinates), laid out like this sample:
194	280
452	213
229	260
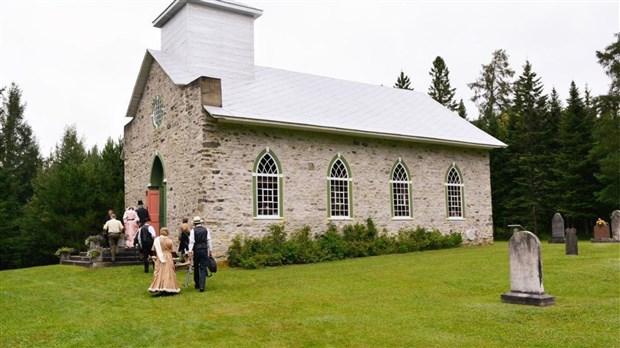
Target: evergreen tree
492	93
573	165
19	162
403	82
529	151
606	149
461	110
440	88
63	210
493	89
610	60
606	152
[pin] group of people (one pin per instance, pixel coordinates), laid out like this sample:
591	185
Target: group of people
194	243
132	220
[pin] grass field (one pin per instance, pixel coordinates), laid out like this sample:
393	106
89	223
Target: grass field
444	298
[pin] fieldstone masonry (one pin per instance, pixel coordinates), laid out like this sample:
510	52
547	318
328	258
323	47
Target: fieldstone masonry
208	171
526	272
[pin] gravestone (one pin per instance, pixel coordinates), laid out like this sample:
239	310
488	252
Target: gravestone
601	231
615	224
571	242
526	272
557	229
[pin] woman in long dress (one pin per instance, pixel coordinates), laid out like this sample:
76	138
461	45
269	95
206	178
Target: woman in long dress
130	218
164	277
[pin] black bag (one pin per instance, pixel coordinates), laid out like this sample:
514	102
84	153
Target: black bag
212	264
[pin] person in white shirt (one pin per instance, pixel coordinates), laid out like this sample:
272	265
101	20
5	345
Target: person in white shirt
200	248
114	228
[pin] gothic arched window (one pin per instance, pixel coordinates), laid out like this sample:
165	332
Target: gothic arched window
400	189
339	180
454	193
267	186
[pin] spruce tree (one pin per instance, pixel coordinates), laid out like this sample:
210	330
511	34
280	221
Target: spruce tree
606	149
19	162
461	110
403	82
529	148
440	88
574	167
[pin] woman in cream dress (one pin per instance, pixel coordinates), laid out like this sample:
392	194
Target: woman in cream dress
164	277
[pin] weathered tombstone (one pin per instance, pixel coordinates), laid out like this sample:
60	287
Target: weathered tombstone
571	242
557	229
601	231
526	274
615	224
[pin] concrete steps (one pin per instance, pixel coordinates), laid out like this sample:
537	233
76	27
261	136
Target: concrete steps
124	257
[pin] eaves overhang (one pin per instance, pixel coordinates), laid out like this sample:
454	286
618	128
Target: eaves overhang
225	116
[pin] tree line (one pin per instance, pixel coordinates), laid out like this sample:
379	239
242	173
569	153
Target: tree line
561	157
52	202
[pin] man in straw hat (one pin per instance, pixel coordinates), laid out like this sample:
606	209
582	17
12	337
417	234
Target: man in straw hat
200	249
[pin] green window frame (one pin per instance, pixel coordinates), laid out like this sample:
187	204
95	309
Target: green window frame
400	191
455	193
267	186
339	189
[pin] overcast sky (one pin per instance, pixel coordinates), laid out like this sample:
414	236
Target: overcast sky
77	61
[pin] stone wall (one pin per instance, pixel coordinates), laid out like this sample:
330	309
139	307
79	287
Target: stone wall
305	157
177	142
208	172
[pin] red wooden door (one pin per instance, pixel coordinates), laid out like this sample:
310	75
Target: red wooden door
152	201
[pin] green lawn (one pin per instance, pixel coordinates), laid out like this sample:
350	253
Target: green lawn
444	298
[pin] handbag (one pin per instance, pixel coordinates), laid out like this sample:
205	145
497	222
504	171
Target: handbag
211	265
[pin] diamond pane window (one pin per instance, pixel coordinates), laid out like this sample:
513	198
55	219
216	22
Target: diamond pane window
339	189
267	179
401	204
454	193
158	111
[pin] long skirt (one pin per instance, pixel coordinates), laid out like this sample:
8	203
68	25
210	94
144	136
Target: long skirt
131	228
164	277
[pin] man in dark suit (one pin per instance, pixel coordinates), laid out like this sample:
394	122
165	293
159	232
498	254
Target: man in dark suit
143	213
144	240
200	248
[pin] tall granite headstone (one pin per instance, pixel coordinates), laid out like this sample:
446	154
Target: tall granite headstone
571	242
615	224
557	229
526	272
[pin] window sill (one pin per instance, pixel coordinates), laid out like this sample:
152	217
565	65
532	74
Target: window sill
268	218
402	218
340	218
456	219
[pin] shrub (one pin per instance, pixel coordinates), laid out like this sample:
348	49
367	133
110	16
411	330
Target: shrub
358	240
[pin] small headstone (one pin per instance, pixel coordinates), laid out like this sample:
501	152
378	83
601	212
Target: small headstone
601	230
571	241
615	224
526	275
557	229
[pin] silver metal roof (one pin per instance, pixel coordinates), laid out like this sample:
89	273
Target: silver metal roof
295	100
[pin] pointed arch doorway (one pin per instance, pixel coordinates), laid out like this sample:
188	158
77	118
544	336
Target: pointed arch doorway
156	194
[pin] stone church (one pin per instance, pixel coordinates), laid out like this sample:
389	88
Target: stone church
246	146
